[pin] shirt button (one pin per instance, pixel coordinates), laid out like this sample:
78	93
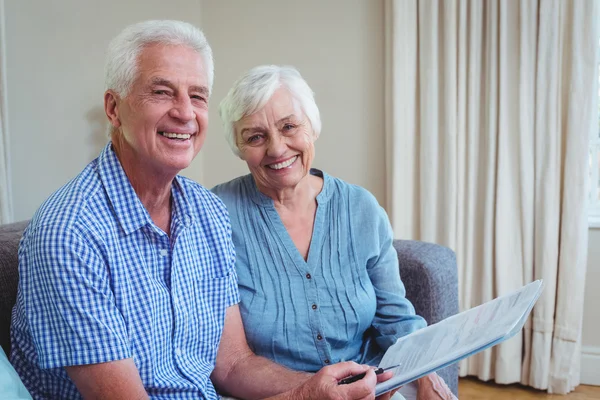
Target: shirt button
163	252
308	276
327	361
314	306
319	337
178	352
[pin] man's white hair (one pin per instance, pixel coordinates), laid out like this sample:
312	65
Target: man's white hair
125	48
252	91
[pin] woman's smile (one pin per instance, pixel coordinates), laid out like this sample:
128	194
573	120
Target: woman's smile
283	164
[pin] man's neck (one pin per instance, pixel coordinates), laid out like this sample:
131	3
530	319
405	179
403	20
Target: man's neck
152	187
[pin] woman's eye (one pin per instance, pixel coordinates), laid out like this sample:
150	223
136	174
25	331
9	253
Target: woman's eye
253	138
288	127
198	97
160	92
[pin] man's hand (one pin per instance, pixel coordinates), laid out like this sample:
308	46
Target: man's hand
432	387
324	384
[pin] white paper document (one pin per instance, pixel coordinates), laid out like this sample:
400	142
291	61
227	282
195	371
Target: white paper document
457	337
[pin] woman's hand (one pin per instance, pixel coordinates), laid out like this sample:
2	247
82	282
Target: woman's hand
432	387
324	384
382	378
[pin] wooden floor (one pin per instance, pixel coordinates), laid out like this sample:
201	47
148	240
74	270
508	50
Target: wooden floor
473	389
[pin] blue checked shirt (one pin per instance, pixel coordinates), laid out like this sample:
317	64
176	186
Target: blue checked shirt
99	282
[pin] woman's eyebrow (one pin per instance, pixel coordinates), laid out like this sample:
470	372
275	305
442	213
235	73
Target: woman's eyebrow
287	118
251	129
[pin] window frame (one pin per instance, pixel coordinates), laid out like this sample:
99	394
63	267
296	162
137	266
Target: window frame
594	197
594	173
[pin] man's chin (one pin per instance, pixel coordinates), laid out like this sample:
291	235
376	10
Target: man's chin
175	166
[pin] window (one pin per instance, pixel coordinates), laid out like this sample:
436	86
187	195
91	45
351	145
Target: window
594	168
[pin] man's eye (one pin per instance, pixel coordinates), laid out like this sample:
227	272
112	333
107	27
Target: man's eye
198	97
160	92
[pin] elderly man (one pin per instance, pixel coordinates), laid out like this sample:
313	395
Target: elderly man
127	282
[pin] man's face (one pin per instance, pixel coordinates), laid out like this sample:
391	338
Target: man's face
163	119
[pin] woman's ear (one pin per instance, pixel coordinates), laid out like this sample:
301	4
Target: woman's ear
315	136
111	109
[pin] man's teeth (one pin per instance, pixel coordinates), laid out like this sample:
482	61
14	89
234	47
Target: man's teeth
176	135
283	164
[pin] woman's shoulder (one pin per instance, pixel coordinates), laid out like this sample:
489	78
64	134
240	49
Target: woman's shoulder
232	190
355	194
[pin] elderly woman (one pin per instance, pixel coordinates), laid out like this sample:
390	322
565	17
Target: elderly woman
318	275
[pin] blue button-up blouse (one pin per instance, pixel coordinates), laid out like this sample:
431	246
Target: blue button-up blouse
345	302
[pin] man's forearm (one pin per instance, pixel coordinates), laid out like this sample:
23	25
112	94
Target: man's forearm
255	377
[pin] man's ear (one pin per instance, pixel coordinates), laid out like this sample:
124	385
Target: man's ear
111	109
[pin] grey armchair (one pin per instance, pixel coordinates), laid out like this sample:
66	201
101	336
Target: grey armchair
430	276
428	271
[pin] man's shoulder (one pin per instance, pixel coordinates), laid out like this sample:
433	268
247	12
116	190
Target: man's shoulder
201	197
66	206
196	190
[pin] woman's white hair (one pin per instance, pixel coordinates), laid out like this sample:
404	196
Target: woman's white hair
124	49
252	91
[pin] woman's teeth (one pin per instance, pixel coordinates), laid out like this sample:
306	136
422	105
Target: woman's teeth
283	164
176	135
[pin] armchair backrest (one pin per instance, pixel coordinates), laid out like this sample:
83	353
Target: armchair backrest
10	235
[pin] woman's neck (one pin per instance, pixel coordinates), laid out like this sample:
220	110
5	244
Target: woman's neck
297	197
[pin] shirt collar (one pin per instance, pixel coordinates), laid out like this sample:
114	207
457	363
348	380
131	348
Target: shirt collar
182	208
129	210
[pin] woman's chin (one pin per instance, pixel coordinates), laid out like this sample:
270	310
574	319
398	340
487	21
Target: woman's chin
281	180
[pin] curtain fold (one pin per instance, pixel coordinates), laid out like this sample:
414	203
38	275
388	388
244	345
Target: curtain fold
489	108
5	187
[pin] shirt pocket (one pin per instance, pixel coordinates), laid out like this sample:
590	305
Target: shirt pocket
209	304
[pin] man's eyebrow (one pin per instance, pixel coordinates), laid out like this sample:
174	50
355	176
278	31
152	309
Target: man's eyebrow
158	81
199	89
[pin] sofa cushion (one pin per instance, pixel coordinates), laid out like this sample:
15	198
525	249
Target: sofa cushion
10	235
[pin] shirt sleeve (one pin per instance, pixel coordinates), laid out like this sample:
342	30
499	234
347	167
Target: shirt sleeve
395	315
232	292
68	300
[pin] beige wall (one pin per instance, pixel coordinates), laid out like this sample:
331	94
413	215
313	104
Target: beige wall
55	62
55	55
338	48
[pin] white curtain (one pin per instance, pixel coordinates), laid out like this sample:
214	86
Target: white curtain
489	109
5	192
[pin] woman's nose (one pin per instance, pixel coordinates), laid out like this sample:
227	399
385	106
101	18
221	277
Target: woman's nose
277	145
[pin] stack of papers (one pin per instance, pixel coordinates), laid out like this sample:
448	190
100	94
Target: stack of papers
457	337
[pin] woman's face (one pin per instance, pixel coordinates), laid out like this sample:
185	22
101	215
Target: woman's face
277	142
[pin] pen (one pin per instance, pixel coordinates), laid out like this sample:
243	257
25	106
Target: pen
358	377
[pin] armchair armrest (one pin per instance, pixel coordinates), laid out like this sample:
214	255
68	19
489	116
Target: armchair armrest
430	275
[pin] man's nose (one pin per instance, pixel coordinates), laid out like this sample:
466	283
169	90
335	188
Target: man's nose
183	109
